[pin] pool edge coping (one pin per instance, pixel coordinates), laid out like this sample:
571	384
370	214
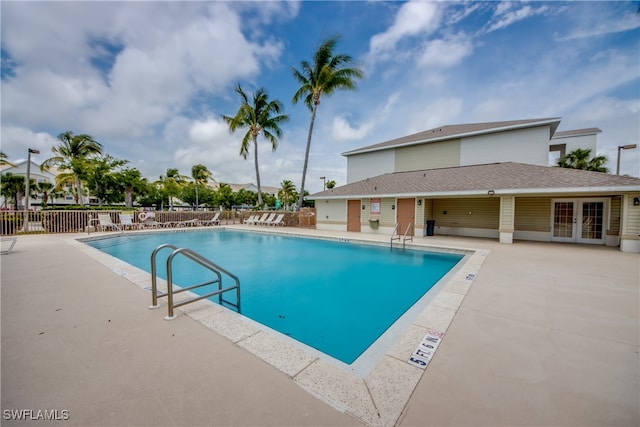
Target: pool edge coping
377	399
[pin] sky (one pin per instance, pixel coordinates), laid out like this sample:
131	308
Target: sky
151	80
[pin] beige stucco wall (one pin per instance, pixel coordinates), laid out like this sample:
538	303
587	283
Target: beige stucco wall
533	214
428	156
367	165
467	213
331	214
631	215
529	145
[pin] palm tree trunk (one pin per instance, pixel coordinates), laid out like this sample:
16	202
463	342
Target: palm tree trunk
255	159
78	191
306	155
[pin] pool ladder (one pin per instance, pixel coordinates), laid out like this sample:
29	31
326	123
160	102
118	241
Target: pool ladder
396	235
199	259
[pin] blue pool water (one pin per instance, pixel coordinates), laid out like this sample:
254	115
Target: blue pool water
337	297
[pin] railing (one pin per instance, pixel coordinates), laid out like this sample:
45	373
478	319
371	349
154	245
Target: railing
199	259
396	235
78	221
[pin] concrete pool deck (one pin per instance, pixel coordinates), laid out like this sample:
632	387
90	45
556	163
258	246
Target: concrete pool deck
548	334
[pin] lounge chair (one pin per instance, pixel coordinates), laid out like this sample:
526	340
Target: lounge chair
149	220
258	220
269	220
7	244
212	221
106	223
126	221
251	220
278	221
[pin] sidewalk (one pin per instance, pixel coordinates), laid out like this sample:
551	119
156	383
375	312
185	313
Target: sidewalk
547	335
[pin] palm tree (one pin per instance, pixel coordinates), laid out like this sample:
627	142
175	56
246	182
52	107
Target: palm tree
171	184
12	187
71	154
132	182
45	189
4	161
260	117
327	73
200	175
287	193
580	158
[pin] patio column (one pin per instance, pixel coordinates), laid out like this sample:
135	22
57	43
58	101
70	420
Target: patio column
630	223
507	218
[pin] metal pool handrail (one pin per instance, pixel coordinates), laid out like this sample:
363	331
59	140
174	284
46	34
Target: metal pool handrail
199	259
397	236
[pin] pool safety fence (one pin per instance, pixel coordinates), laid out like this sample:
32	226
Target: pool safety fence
78	221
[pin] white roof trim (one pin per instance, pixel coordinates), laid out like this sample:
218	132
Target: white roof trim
498	192
454	136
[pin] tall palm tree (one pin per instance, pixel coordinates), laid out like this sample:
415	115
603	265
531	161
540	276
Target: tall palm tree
327	73
71	154
259	116
580	158
200	175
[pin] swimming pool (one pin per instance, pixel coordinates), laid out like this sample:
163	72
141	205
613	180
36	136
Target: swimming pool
335	296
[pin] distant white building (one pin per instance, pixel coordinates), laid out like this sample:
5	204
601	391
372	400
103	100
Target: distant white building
20	168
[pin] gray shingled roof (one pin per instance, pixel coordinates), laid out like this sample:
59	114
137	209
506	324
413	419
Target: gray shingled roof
506	178
576	132
456	131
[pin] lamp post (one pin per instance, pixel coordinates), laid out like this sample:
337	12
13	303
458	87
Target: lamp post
26	195
620	148
324	182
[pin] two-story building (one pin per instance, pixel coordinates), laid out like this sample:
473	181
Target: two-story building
489	180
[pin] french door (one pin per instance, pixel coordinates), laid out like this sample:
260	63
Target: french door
578	220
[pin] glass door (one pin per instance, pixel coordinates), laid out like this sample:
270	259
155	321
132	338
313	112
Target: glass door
564	221
579	220
591	221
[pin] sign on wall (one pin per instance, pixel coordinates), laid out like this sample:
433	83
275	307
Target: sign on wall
375	206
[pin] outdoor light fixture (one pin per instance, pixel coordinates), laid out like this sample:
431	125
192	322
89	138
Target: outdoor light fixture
419	202
620	148
491	192
636	201
26	192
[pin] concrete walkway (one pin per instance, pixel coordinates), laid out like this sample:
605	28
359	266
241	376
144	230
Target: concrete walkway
547	335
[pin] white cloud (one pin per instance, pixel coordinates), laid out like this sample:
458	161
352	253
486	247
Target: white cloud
505	17
445	53
413	18
342	130
18	140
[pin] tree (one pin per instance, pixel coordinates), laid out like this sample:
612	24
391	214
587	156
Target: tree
132	183
101	179
580	158
71	154
171	184
287	193
224	196
331	184
327	73
200	175
261	116
12	188
4	161
45	188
